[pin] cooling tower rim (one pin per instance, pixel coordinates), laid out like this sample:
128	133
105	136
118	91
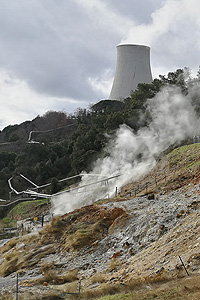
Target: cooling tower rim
133	45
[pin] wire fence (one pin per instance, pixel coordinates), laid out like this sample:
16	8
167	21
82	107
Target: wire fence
26	225
153	180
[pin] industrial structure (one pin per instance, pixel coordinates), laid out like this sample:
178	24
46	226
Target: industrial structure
133	67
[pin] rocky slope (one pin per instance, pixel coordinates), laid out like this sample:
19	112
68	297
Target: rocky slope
118	240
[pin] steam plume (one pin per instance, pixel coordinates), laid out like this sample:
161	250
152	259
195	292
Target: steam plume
132	155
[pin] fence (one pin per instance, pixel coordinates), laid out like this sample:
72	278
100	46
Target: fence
152	180
26	225
66	293
10	231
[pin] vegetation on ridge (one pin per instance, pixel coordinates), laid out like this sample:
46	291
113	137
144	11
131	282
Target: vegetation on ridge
60	145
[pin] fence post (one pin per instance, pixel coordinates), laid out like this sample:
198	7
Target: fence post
116	192
79	286
184	266
155	181
17	287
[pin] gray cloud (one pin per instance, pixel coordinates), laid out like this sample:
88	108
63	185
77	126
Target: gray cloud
66	49
173	35
53	47
140	11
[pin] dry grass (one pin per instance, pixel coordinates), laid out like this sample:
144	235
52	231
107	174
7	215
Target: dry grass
42	295
53	231
98	278
86	236
30	239
17	255
176	289
72	287
104	289
50	275
46	266
7	296
114	265
64	231
56	226
70	276
162	276
142	289
9	265
9	245
21	258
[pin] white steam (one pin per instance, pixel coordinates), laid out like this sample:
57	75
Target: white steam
132	155
174	27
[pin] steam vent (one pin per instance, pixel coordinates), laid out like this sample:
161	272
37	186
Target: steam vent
133	67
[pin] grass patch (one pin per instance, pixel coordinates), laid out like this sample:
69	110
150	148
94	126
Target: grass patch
7	222
193	164
184	156
27	209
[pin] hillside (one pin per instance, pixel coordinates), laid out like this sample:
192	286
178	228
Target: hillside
56	145
59	145
129	244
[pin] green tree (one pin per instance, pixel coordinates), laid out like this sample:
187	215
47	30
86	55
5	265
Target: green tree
178	78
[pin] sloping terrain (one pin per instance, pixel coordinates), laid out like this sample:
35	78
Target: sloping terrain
134	241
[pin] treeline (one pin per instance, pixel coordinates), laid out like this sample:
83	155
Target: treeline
59	145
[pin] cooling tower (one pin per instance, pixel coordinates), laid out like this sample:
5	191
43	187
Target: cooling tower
133	67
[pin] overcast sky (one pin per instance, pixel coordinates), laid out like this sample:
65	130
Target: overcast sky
61	54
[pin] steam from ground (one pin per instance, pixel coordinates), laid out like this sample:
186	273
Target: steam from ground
132	155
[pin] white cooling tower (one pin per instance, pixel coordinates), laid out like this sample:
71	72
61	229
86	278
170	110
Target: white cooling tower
133	67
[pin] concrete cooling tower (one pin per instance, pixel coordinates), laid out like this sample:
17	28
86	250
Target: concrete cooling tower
133	67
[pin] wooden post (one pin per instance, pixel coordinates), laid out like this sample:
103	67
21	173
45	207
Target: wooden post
17	286
116	192
184	266
79	286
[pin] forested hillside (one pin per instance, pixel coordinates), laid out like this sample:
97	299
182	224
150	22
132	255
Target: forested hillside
58	145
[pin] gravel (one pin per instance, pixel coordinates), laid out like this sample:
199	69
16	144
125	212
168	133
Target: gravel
148	221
